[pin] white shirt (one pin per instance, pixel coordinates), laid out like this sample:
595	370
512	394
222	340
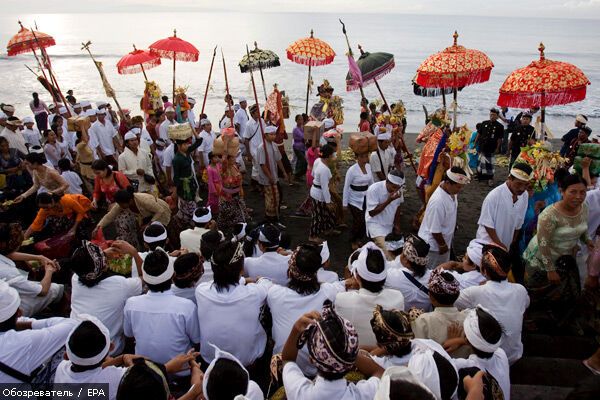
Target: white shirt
357	307
593	202
287	306
417	346
387	159
130	162
440	217
383	223
186	293
74	181
190	239
254	134
298	387
105	301
101	135
497	366
164	325
32	137
507	302
208	138
240	333
355	177
15	140
468	279
241	118
17	278
146	140
321	177
163	130
192	118
26	350
111	375
413	296
270	265
167	156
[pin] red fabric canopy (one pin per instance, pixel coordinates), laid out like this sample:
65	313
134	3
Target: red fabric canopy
26	40
175	48
310	51
543	83
133	62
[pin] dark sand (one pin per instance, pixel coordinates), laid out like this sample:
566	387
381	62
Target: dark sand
469	207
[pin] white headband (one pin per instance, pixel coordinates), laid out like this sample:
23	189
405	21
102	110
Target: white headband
360	265
165	276
458	178
473	334
521	175
263	238
424	368
242	233
384	136
204	218
154	239
85	362
324	253
220	354
401	373
9	300
395	180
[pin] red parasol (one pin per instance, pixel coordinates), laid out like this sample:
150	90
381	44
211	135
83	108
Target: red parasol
312	52
175	49
454	67
137	61
543	83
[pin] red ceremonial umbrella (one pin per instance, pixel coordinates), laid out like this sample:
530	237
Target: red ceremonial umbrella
543	83
137	61
312	52
454	67
175	49
28	40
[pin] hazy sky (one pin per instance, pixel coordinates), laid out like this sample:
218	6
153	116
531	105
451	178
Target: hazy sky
519	8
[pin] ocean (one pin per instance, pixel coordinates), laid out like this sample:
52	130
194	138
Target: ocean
510	42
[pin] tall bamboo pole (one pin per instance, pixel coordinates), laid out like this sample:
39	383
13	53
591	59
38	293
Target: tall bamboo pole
227	87
362	92
212	63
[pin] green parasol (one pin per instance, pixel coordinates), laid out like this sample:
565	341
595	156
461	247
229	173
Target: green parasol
257	60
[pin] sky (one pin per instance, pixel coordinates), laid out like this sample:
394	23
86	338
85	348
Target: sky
589	9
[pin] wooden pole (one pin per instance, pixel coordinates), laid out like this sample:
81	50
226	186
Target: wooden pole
227	87
362	92
455	105
86	46
212	63
444	97
144	72
174	62
262	78
308	87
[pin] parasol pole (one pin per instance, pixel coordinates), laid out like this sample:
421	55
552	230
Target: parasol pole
227	86
543	105
308	86
86	46
444	97
174	62
262	78
212	63
455	105
49	67
362	92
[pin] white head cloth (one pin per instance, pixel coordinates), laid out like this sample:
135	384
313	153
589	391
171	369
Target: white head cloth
101	104
28	120
242	99
130	135
271	129
100	112
473	334
359	266
328	123
9	301
85	362
154	239
395	180
85	104
242	233
90	113
384	136
458	178
324	253
203	219
582	119
396	373
169	109
520	174
220	354
62	110
204	121
165	276
424	368
191	100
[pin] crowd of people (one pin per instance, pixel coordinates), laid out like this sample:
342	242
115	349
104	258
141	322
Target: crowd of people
128	254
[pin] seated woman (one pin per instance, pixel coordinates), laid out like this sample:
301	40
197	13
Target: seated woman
11	165
35	296
132	212
549	257
45	178
61	214
107	183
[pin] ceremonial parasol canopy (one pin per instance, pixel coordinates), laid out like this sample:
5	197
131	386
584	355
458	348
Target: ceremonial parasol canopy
543	83
28	40
175	49
257	60
373	66
137	61
312	52
454	67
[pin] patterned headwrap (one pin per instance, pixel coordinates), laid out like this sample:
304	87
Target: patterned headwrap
392	339
410	251
296	273
322	339
98	258
192	274
442	282
491	263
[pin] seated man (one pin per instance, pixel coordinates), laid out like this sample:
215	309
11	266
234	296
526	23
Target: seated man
270	264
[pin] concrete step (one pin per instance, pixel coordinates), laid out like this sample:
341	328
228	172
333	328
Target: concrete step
573	347
542	371
535	392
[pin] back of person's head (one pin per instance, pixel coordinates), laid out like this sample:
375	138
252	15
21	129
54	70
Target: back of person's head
375	265
101	165
393	331
144	380
124	196
9	307
64	164
227	380
443	287
285	240
155	235
227	264
485	336
11	237
188	270
447	376
201	217
36	158
303	267
407	390
327	150
560	174
156	264
209	243
87	268
364	115
86	342
46	198
269	237
495	263
415	251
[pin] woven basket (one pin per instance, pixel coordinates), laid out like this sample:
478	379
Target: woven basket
180	132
